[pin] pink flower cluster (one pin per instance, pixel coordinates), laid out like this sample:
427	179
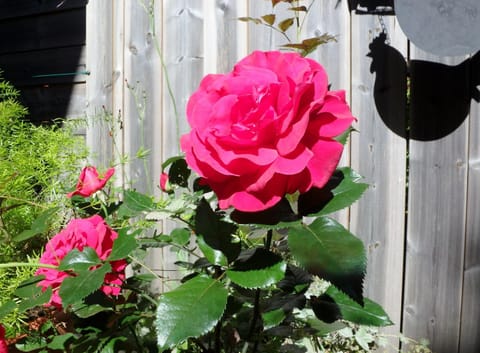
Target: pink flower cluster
265	129
79	233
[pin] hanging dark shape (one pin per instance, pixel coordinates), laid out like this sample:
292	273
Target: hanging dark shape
371	7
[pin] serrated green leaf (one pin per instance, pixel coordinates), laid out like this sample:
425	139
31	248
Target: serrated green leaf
370	314
190	310
37	299
32	345
109	345
325	248
74	289
29	287
215	257
123	245
134	203
272	318
170	161
217	233
341	191
58	342
87	310
77	260
259	269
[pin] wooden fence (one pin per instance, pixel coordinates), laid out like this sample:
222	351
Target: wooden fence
419	218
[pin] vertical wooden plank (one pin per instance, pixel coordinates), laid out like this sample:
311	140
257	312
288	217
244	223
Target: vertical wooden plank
379	155
143	86
470	326
331	17
225	39
435	234
99	82
183	53
118	89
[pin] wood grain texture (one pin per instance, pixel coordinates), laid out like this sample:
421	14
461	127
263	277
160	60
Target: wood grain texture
435	235
379	156
469	327
99	82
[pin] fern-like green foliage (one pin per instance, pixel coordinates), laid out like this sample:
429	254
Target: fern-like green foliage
38	166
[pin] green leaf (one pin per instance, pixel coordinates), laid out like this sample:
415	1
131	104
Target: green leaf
217	233
29	287
87	310
279	216
341	191
215	257
269	19
273	318
40	225
179	173
77	260
123	245
286	24
7	308
190	310
180	236
74	289
171	160
325	248
58	342
298	8
257	268
250	19
370	314
134	203
37	299
31	294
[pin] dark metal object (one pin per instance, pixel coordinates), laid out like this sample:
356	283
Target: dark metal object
371	7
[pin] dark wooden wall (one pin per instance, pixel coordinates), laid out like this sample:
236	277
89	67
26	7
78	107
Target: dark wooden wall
42	54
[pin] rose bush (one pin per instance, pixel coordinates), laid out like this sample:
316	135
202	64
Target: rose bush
265	129
90	182
90	232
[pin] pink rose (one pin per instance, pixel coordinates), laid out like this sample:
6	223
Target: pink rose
79	233
89	181
265	130
3	341
164	184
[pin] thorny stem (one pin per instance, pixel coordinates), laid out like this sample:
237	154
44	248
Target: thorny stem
256	307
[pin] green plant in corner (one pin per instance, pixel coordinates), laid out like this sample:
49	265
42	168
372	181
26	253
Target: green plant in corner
37	165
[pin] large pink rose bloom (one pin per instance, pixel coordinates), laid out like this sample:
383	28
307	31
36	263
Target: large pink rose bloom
79	233
265	130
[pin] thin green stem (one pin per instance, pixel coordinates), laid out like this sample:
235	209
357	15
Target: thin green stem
145	267
27	264
256	305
